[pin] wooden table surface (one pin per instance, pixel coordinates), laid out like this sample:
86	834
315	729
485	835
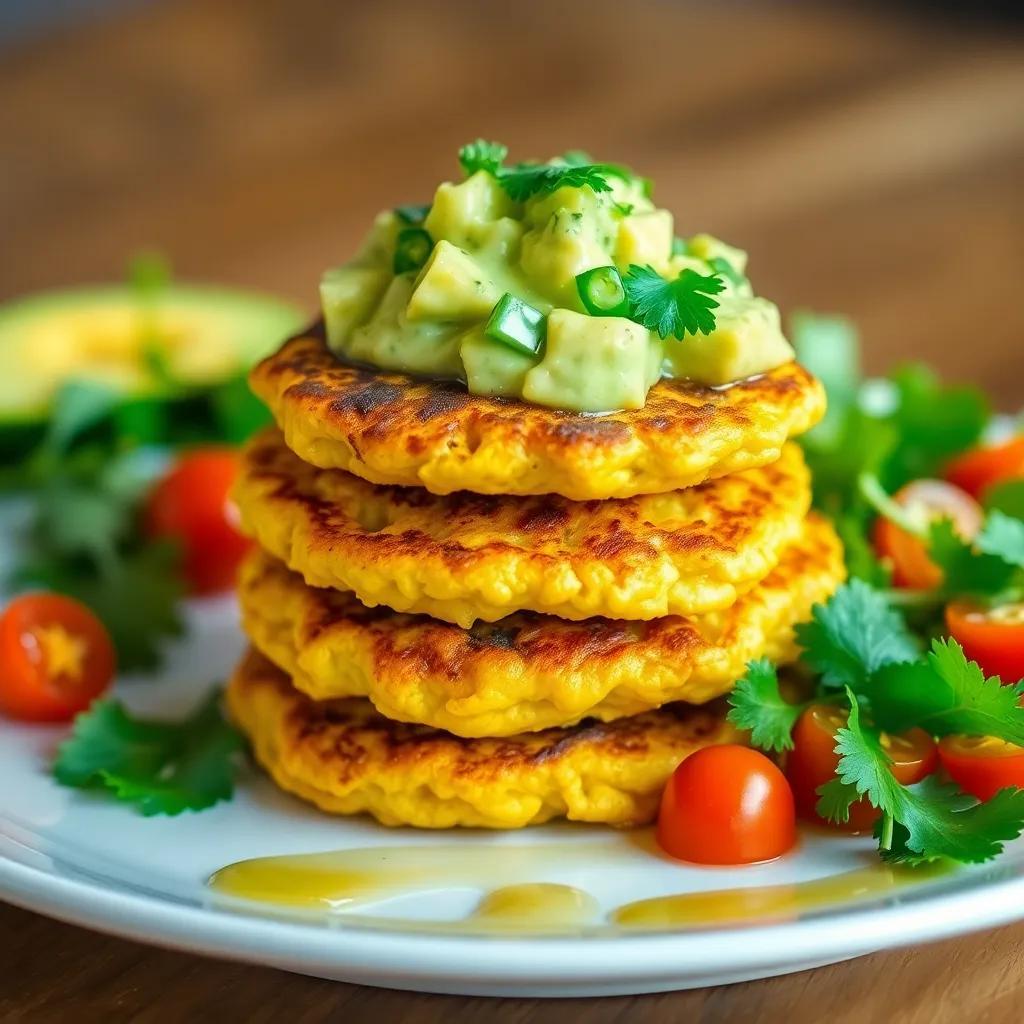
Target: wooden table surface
870	163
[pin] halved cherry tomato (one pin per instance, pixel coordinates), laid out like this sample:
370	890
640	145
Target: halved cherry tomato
813	759
927	500
977	470
727	805
56	657
192	504
993	637
982	765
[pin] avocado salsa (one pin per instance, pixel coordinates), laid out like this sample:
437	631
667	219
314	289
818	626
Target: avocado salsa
560	284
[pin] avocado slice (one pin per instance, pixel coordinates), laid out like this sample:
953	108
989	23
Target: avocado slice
178	360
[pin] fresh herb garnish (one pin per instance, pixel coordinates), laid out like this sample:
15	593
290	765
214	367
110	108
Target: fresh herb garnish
672	308
862	650
482	156
758	705
934	819
84	539
160	767
525	180
888	429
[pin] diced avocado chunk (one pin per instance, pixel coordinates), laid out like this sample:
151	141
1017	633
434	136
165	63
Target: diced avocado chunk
393	342
747	340
707	247
460	213
378	247
591	364
493	368
644	238
348	295
452	286
566	244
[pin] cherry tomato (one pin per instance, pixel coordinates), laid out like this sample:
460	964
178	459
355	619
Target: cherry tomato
813	759
982	765
977	470
727	805
56	657
192	504
929	500
993	637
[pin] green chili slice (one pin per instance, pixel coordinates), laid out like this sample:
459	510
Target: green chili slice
412	249
602	292
517	324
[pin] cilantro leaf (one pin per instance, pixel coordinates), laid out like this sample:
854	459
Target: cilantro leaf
991	823
966	570
482	156
937	819
944	694
854	634
160	767
526	180
757	705
672	308
522	181
1002	537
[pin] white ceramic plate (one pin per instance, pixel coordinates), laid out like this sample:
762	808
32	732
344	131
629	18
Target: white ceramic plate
85	859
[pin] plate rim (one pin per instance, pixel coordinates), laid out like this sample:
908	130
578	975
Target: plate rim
639	962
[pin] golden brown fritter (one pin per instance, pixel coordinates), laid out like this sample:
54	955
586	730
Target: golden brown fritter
392	429
346	758
464	557
528	671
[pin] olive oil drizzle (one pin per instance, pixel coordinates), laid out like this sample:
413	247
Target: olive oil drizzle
340	883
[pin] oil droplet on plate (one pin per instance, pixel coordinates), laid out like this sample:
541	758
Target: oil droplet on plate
533	907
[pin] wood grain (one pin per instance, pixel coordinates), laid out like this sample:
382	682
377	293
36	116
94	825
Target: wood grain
871	164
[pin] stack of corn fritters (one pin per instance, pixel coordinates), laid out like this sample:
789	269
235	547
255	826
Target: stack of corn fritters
473	611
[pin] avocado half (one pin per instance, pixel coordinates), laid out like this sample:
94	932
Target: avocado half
179	361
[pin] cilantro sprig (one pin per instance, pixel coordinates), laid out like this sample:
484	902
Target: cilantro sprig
161	767
865	656
672	308
525	180
934	818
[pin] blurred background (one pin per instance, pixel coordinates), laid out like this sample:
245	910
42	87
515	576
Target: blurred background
868	156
